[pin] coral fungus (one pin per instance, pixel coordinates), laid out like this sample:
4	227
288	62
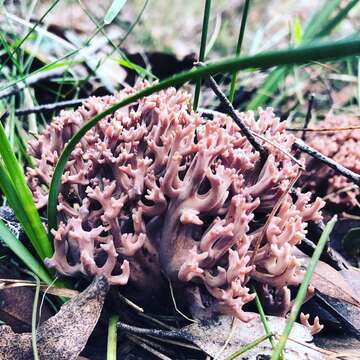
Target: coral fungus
344	147
154	188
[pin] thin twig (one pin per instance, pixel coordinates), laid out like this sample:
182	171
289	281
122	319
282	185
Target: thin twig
231	112
156	321
228	339
355	178
308	115
130	303
172	334
49	107
175	305
148	348
176	342
278	147
31	80
325	130
268	220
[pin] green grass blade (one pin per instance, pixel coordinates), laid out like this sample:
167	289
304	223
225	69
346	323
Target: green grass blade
319	19
30	32
320	26
337	19
8	189
39	237
358	81
297	31
269	87
248	347
238	47
303	289
265	60
34	318
112	338
113	11
18	248
136	21
204	33
263	318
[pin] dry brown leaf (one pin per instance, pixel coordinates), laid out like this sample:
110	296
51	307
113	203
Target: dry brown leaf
213	335
64	335
330	282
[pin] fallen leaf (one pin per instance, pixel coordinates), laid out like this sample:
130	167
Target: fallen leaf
347	314
346	346
330	282
63	336
352	276
211	337
16	308
351	241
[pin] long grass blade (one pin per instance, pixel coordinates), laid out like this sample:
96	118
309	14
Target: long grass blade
204	33
112	338
265	60
248	347
34	319
18	248
303	289
238	47
320	18
337	19
113	11
30	32
319	26
8	189
38	236
263	318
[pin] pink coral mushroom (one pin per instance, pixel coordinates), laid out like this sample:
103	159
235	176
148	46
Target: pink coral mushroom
343	147
154	188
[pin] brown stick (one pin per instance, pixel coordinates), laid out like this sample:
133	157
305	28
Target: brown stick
231	112
355	178
308	115
49	107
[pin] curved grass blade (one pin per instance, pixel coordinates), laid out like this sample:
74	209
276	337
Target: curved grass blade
38	236
204	33
303	289
17	247
265	60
